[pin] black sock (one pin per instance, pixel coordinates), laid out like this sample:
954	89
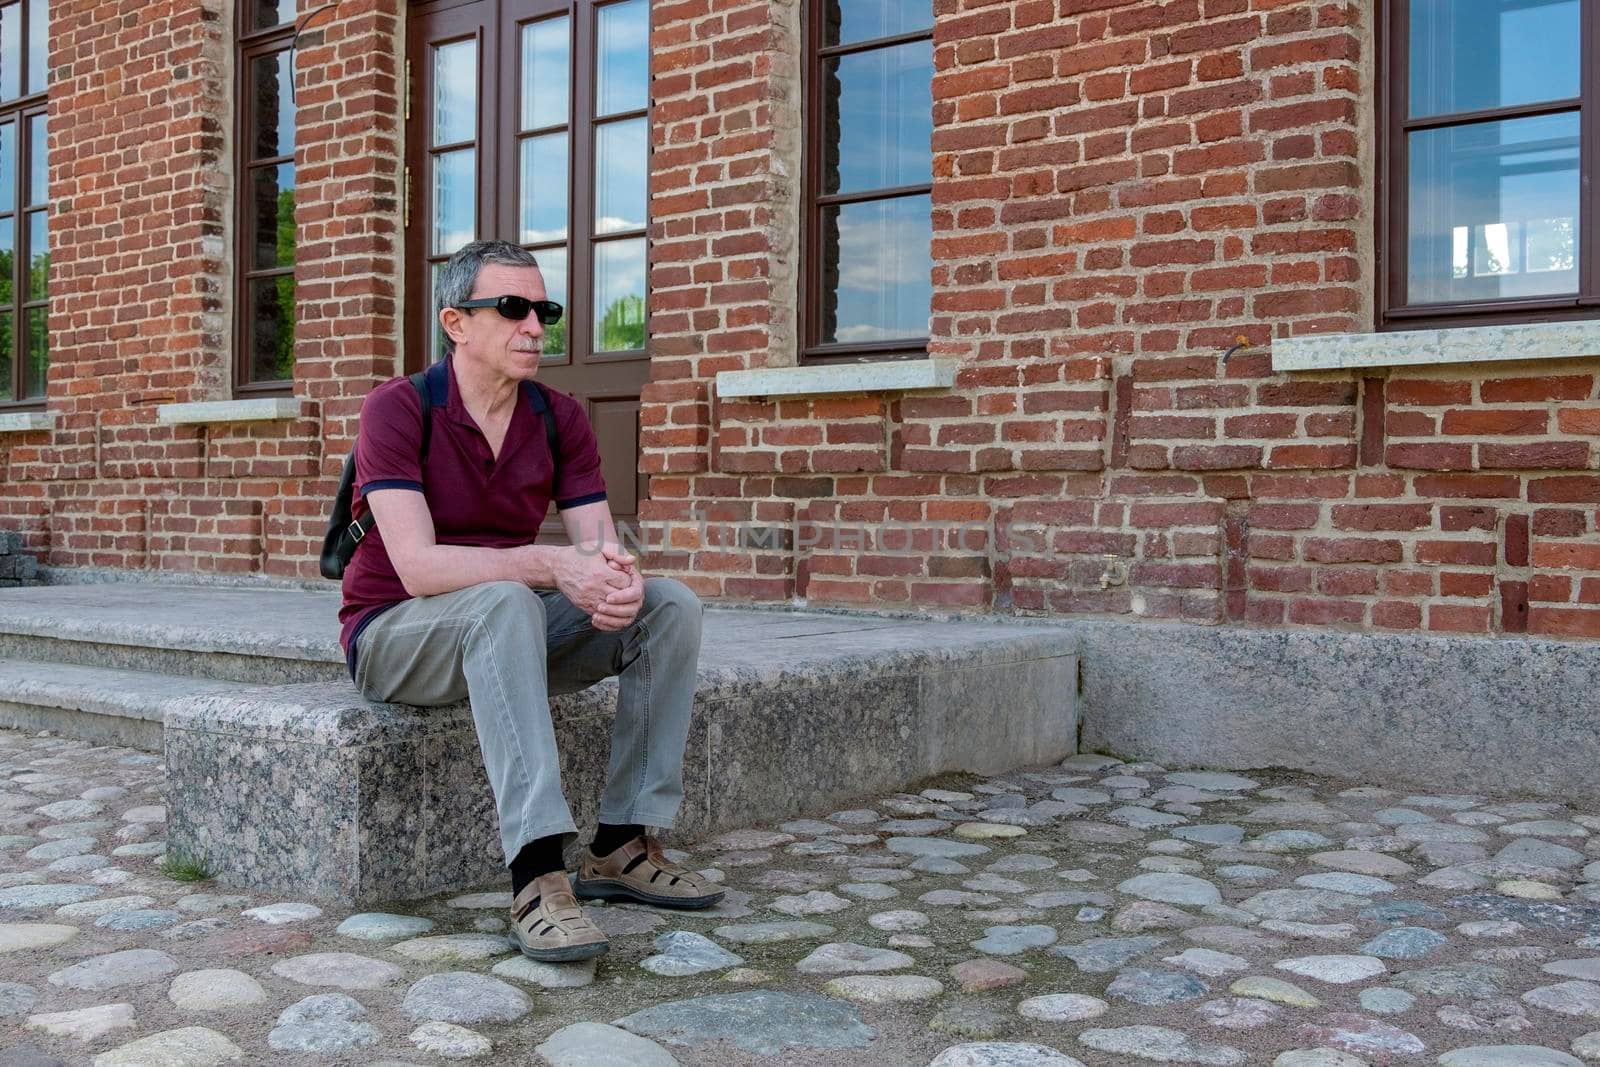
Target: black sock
609	838
537	857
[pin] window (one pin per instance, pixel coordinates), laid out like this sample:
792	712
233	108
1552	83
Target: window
868	209
565	170
264	225
1494	121
24	233
607	241
619	121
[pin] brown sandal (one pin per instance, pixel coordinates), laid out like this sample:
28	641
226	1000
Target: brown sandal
639	871
548	925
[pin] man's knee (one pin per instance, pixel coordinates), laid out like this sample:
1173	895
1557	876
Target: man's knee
494	602
670	598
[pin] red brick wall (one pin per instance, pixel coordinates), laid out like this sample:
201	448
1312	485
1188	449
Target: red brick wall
140	285
1122	191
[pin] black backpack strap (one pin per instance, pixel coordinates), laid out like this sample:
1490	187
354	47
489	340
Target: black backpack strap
552	436
419	382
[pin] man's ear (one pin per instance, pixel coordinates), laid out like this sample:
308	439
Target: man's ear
451	320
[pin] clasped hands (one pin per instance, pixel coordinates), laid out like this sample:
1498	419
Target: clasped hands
603	580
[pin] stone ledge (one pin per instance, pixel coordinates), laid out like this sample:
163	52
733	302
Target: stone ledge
391	802
1462	344
286	779
255	409
261	636
883	376
26	421
1501	714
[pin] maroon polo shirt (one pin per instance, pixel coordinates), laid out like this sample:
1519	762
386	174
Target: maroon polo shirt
475	499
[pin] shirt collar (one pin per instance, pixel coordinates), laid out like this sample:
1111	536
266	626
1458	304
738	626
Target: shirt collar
446	397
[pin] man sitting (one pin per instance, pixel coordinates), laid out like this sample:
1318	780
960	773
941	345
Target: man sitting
449	597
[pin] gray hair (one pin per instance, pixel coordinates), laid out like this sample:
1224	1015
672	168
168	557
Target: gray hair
460	274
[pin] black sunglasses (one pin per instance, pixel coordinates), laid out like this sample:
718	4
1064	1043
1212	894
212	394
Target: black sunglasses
516	308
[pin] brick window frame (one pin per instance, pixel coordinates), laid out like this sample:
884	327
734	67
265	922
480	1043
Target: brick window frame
21	112
816	143
250	45
1394	311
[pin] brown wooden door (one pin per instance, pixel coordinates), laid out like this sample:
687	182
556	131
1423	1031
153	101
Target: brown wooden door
527	122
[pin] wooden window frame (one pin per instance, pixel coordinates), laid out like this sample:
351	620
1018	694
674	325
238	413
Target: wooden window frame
20	111
417	207
499	174
249	46
508	133
1393	189
814	200
582	127
584	139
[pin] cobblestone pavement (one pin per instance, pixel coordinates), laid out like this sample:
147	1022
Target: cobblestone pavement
1096	913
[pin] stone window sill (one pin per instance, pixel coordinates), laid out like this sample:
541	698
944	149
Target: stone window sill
880	377
258	409
26	421
1465	344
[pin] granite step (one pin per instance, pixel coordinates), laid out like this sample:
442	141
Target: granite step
259	636
101	704
794	716
281	777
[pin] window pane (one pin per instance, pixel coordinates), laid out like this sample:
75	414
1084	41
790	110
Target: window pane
1466	56
455	93
38	58
543	189
877	268
619	295
38	256
272	106
8	166
272	200
624	64
1494	210
545	73
8	260
269	13
455	200
38	355
844	21
10	51
38	162
621	156
272	329
881	104
553	268
5	357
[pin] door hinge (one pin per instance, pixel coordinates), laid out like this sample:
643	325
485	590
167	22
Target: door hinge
407	195
408	91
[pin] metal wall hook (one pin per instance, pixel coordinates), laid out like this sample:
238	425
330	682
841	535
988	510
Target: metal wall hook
302	24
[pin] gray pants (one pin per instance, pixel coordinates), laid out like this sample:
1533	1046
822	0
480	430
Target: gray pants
507	649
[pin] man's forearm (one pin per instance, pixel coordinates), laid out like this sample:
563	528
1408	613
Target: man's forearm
446	568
